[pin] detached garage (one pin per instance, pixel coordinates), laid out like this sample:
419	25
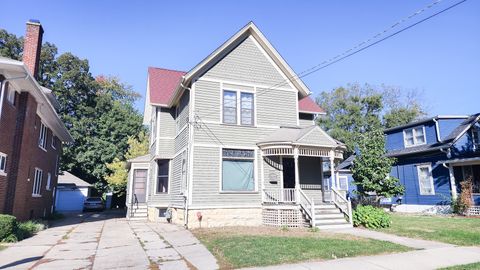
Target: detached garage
71	192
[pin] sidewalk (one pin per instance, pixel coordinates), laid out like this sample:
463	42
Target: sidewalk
430	255
421	259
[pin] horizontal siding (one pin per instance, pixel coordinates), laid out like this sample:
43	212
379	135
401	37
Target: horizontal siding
166	148
154	198
181	140
231	134
167	123
272	172
247	63
183	110
208	100
206	182
176	182
305	123
276	107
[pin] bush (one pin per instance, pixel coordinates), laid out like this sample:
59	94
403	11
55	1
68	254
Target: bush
371	217
8	226
28	228
464	201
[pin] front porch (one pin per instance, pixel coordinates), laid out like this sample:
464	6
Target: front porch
300	183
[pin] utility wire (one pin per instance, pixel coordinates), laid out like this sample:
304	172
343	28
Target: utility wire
345	55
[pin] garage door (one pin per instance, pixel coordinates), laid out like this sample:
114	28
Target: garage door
69	200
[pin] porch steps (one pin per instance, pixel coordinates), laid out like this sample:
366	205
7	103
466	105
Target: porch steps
328	216
137	212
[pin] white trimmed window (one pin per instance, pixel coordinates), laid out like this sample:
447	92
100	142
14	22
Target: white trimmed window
37	183
343	182
162	175
238	170
42	139
414	136
238	108
3	163
425	179
49	180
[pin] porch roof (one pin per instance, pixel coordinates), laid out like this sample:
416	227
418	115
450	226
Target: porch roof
463	161
311	136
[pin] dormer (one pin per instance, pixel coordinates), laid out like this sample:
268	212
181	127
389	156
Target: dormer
414	136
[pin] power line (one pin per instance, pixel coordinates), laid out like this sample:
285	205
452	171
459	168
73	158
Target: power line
339	57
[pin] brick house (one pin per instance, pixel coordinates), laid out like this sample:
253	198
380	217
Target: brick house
31	134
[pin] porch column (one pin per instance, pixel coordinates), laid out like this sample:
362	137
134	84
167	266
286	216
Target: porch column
453	186
297	173
332	170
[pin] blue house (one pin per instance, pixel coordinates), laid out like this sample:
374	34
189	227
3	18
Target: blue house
433	156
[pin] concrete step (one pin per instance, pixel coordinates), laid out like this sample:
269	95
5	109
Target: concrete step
137	218
140	214
334	226
329	216
140	210
327	211
325	206
330	221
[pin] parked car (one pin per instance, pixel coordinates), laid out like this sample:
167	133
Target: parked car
93	203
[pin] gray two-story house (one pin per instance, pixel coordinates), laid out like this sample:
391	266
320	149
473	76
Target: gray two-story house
234	142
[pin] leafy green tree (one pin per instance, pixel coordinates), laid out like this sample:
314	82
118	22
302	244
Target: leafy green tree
11	46
351	111
117	179
98	112
371	168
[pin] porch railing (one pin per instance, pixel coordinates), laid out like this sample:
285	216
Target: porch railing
307	205
277	195
343	204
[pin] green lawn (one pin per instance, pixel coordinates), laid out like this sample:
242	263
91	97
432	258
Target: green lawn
262	247
472	266
454	230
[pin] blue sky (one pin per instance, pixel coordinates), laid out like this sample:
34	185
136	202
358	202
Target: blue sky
440	57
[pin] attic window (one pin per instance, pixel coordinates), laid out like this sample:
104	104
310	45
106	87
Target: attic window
414	136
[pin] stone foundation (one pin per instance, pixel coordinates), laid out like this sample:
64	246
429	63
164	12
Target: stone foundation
221	217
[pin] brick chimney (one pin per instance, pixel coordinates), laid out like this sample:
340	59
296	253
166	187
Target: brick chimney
32	46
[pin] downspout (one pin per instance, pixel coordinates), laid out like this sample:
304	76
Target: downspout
437	130
189	156
3	88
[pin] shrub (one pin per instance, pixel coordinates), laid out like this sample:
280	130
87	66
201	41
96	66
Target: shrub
8	226
464	201
28	228
370	217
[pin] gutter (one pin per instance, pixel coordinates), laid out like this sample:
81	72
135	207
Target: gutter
437	129
3	88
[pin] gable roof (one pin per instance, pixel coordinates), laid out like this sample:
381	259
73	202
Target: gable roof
449	140
307	105
162	83
165	85
312	135
425	120
67	178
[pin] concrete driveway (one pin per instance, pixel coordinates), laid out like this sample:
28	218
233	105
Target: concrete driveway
108	241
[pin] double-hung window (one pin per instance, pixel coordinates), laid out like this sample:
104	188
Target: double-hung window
42	139
37	183
162	176
238	108
425	180
3	163
238	170
414	136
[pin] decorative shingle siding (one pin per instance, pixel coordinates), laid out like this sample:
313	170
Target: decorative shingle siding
206	184
247	63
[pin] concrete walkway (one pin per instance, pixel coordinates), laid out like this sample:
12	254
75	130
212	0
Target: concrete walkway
430	255
404	241
108	241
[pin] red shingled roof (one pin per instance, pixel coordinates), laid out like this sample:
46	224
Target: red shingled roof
162	84
307	104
